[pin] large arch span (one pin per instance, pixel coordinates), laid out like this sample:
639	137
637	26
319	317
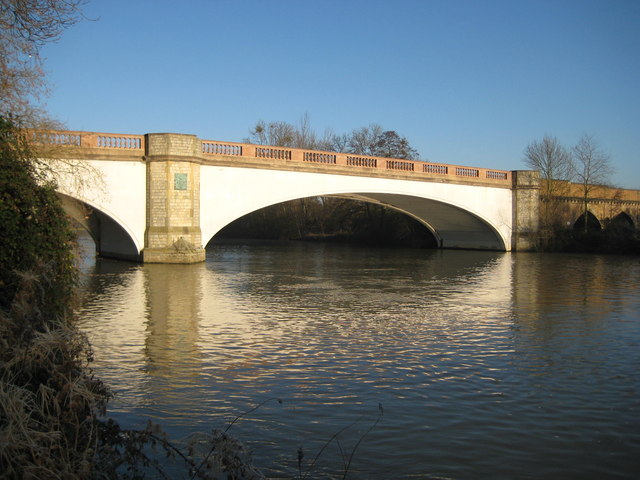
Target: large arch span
449	211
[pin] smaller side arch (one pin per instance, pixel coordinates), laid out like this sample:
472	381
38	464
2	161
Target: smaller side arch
111	238
622	221
592	222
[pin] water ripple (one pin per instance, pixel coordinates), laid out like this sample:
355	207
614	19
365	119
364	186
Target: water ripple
488	365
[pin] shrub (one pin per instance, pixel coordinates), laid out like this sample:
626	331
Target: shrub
48	398
35	230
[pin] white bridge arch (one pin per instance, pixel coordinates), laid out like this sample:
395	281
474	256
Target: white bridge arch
459	216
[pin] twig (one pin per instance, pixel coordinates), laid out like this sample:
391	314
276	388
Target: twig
335	435
238	417
380	414
251	410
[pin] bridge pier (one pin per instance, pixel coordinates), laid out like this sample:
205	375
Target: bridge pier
173	232
526	210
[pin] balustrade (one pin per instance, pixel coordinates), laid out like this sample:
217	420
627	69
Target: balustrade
57	138
400	165
275	153
496	175
221	148
369	162
118	141
330	159
319	157
467	172
439	169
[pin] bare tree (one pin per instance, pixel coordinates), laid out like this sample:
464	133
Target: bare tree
550	158
338	143
377	142
372	140
362	140
301	135
591	169
391	145
304	135
553	161
280	134
25	27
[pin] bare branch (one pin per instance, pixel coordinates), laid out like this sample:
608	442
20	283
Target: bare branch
550	158
25	27
591	167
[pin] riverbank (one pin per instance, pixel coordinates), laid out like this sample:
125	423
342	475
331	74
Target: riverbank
608	241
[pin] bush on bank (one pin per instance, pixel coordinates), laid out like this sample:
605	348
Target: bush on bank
35	230
48	398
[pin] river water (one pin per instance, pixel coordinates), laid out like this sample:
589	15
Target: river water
474	364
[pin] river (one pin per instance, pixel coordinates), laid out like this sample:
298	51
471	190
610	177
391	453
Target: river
473	364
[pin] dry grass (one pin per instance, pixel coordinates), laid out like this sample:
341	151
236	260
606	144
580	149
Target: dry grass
48	398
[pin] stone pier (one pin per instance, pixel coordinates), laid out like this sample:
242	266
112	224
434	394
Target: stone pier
173	231
526	206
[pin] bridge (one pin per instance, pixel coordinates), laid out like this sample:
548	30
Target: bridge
161	197
607	206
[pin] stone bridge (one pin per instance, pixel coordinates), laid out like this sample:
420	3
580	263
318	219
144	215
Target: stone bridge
607	206
161	197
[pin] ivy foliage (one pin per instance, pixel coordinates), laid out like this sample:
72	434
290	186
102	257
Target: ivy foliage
35	233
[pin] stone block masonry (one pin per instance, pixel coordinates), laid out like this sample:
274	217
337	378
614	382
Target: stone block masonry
173	200
526	205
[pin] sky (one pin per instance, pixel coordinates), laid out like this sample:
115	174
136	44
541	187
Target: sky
466	82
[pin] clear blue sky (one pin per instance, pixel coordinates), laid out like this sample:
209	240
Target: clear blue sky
467	82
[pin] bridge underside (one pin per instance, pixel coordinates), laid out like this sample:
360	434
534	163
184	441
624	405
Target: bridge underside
111	240
452	226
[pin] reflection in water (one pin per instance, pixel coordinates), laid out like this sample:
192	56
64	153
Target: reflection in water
487	364
172	357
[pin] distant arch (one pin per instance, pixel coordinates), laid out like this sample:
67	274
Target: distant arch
622	221
593	224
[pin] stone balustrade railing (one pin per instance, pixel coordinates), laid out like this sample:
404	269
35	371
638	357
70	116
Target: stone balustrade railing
210	147
90	140
230	150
